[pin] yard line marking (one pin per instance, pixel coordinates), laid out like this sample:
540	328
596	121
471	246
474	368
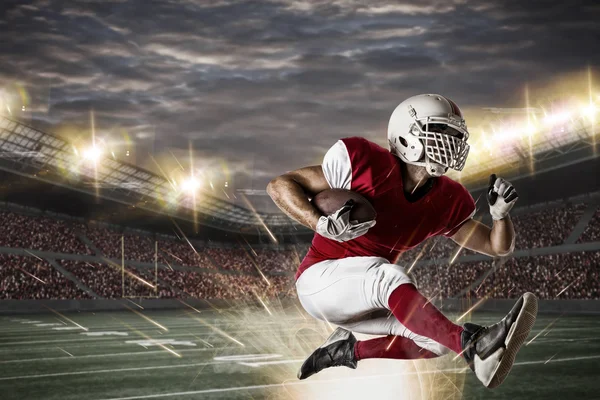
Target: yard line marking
132	353
105	333
247	357
63	350
274	385
107	339
161	342
174	325
102	371
261	363
66	318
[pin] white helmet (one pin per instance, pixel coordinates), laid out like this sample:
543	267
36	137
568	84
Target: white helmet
429	130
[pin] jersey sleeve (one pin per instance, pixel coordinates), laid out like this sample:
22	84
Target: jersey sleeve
337	167
462	210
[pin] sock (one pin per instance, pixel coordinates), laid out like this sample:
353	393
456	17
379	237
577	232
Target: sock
396	347
423	318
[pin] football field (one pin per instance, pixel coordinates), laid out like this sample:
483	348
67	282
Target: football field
254	354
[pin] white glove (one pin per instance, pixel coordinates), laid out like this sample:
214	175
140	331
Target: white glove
501	197
338	226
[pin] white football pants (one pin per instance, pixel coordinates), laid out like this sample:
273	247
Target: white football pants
353	293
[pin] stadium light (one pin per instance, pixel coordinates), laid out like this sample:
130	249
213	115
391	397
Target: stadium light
557	118
92	154
590	110
190	185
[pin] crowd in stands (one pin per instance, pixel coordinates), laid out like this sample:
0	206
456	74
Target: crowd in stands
232	259
40	233
184	253
110	281
190	270
226	286
448	280
434	248
278	261
592	231
191	283
546	228
31	278
113	244
239	286
557	276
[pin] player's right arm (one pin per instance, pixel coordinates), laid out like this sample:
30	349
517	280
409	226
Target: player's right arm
291	193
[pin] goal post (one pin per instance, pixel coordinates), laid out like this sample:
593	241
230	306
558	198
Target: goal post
128	275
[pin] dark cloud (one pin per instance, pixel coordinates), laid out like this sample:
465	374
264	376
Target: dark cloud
267	86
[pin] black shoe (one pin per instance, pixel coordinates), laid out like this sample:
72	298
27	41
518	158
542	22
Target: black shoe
490	351
338	350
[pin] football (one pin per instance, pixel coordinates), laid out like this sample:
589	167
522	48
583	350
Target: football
331	200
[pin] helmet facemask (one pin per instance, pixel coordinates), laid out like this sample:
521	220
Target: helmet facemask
443	144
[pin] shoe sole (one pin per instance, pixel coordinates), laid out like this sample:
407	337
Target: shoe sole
517	335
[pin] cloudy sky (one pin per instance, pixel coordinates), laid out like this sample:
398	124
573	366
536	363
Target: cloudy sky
262	87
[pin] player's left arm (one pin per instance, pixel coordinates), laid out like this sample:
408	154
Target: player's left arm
499	240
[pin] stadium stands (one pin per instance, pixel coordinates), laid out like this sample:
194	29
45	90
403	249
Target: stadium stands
549	227
232	259
108	281
40	233
135	247
448	280
183	254
278	261
192	284
30	278
226	286
592	232
558	276
190	270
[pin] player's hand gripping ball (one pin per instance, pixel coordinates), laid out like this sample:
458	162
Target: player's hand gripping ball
501	197
348	215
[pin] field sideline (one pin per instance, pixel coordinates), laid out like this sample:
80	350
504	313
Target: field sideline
254	353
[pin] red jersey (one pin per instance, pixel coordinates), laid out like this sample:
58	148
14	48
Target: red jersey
366	168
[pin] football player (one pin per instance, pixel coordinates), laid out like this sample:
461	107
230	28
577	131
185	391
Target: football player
349	277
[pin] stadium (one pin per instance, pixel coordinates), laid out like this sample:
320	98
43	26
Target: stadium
102	279
139	276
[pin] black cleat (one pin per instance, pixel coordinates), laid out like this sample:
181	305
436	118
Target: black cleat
338	350
490	351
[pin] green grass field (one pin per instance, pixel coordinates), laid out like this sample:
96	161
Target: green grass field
255	354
